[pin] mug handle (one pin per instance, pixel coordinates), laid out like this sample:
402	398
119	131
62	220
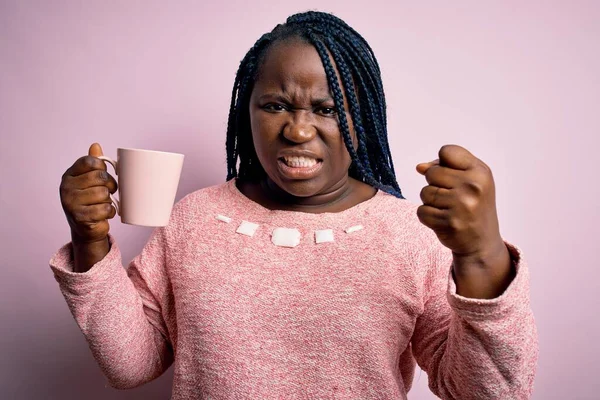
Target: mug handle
115	202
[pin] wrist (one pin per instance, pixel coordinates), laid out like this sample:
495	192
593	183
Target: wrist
485	274
87	253
486	257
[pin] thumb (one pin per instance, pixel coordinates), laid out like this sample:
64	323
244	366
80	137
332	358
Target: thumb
423	167
95	150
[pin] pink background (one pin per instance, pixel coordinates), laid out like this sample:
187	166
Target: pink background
517	83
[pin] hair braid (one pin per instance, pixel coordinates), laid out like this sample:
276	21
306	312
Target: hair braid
348	84
373	123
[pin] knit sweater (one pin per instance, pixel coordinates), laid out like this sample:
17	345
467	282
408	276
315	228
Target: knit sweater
240	317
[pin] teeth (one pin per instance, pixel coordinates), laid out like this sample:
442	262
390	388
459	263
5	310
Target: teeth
300	162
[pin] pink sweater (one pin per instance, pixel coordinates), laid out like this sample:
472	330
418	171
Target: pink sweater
243	318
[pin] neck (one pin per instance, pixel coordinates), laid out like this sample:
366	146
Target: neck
347	193
330	198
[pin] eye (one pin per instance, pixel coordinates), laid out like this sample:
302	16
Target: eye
272	107
327	111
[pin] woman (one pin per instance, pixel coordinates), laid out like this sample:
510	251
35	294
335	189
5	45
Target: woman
306	275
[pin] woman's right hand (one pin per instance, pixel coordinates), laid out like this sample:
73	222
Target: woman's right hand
85	196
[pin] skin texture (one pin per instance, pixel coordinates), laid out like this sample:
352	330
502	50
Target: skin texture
459	204
291	109
85	197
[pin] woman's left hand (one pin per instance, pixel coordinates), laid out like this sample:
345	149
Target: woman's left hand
459	205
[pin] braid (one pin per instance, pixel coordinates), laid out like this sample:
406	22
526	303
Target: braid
368	113
337	97
360	81
239	119
375	85
334	22
354	107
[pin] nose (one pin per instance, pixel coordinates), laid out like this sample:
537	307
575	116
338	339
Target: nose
300	129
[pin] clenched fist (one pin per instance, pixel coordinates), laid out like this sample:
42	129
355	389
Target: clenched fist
459	205
85	196
85	191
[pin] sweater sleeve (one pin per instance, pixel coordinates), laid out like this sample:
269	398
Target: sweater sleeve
119	311
477	348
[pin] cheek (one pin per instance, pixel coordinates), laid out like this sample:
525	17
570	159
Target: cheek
352	131
255	131
352	136
264	130
346	160
338	146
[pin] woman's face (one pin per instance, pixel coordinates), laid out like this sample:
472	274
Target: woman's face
294	122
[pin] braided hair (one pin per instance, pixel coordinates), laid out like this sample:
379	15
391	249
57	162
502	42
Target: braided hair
359	70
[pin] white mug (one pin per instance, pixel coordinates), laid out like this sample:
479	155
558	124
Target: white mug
148	182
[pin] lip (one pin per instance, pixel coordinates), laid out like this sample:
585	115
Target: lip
299	173
299	153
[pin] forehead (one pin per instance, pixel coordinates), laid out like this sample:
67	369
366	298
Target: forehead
292	63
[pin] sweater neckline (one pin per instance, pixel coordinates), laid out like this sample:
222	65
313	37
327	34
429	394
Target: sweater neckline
254	207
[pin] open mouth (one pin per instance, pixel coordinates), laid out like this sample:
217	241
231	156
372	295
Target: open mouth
295	167
300	162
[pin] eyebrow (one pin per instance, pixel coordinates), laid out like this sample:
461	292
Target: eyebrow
285	99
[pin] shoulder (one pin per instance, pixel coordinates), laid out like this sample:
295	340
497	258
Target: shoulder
396	213
406	236
195	208
397	218
201	199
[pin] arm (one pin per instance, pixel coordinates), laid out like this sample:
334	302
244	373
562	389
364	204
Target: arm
85	255
476	348
120	312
